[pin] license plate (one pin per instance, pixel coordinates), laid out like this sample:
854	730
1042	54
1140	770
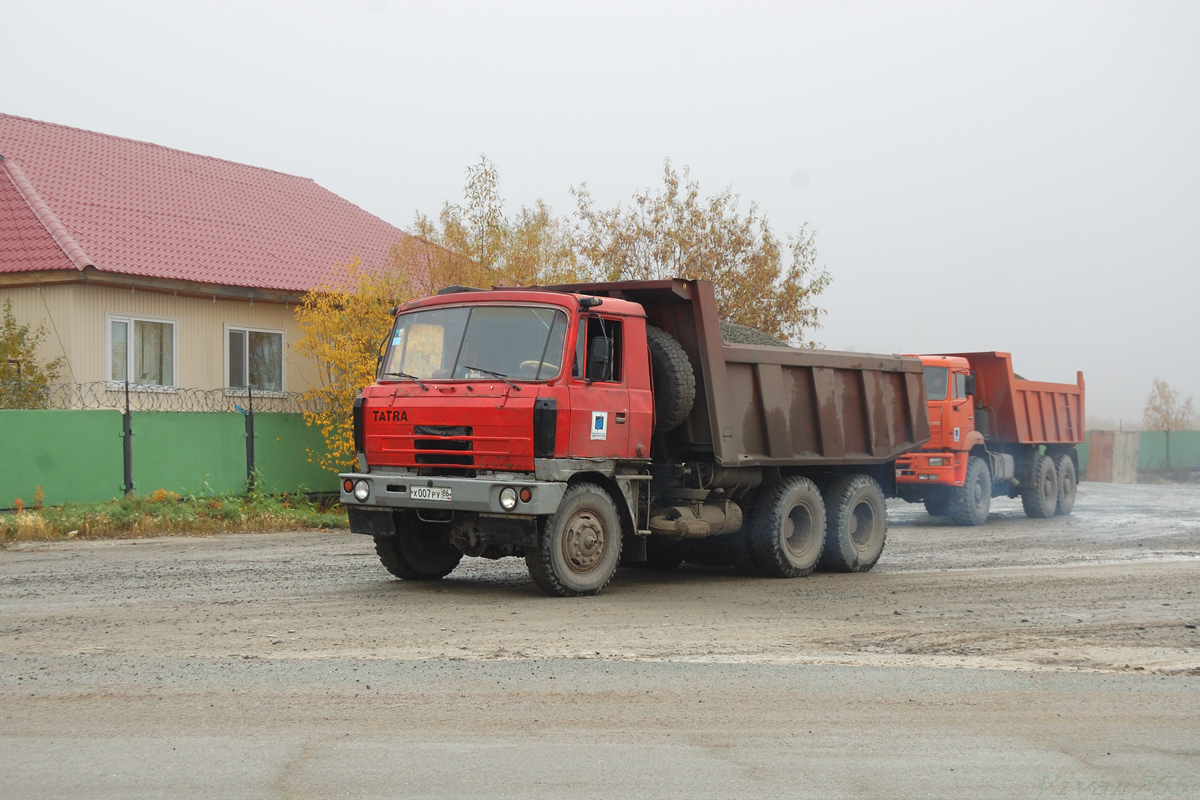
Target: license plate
440	493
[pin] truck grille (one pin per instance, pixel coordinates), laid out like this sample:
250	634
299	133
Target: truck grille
445	452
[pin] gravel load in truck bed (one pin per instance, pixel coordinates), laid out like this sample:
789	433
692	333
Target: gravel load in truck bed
734	333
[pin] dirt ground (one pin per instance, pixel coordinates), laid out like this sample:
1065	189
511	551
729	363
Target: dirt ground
1020	659
1113	587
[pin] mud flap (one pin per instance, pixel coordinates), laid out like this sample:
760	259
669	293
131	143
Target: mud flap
371	521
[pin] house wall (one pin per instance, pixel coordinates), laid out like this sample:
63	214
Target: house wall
76	319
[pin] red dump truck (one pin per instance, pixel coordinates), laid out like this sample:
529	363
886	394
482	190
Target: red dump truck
993	433
581	426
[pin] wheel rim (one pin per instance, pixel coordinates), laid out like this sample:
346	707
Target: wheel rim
798	530
977	493
583	542
1048	486
862	524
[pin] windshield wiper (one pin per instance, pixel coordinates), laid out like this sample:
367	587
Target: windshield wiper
499	375
412	378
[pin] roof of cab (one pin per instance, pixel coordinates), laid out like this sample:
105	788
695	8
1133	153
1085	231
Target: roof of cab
460	295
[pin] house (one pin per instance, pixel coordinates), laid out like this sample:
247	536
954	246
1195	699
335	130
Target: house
163	268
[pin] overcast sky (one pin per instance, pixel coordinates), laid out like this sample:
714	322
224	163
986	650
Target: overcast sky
981	176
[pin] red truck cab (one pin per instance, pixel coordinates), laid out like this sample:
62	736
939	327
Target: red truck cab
487	381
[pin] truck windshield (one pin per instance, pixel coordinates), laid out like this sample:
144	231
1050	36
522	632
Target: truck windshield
936	382
477	342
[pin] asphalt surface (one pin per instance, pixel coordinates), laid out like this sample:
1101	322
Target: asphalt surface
1020	659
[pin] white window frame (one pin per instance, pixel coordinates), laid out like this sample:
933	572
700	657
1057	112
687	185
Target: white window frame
243	390
129	319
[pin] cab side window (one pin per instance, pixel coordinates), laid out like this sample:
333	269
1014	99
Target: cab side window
960	385
599	330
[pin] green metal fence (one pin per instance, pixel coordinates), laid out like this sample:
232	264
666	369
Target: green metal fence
1152	450
78	455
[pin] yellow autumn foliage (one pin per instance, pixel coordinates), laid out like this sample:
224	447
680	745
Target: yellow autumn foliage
759	281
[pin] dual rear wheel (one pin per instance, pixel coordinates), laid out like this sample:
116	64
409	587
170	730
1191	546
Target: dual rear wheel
1052	487
795	528
1040	496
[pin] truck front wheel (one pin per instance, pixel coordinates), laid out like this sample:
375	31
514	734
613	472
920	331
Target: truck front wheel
418	551
937	503
787	532
579	545
971	503
1064	468
1040	497
855	524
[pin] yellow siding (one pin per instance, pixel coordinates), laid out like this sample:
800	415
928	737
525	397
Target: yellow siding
76	319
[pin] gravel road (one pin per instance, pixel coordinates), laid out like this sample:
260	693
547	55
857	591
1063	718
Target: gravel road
1020	659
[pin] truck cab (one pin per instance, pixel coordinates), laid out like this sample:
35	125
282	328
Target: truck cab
949	393
503	383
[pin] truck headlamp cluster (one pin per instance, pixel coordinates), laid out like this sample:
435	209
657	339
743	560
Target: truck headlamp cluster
937	462
362	490
508	498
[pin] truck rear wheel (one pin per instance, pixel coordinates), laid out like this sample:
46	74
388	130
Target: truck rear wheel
674	380
971	503
579	545
418	551
787	532
1064	467
855	524
1040	497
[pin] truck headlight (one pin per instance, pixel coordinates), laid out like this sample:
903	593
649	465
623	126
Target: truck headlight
362	490
508	498
937	462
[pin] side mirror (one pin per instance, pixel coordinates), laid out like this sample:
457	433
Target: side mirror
599	359
971	385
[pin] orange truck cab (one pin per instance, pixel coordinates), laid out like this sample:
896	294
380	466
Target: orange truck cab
993	434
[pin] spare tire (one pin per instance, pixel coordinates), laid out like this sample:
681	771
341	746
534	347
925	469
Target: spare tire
674	380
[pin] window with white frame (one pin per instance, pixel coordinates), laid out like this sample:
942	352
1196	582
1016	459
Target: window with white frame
141	351
255	359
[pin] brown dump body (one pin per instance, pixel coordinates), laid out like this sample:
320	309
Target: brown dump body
1024	412
780	406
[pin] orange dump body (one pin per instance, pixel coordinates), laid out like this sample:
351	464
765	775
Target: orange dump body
1024	412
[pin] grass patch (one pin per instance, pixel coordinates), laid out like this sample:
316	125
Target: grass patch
165	513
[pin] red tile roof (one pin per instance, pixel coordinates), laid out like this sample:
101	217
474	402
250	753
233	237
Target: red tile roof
71	198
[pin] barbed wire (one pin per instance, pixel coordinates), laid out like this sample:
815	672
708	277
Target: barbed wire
110	395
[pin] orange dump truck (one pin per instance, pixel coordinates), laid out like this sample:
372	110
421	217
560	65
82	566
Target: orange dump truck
993	434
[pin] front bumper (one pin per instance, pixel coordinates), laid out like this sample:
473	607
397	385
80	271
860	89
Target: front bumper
480	494
915	468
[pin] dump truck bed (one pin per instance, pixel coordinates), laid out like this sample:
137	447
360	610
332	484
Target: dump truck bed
780	406
1021	411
